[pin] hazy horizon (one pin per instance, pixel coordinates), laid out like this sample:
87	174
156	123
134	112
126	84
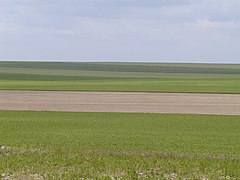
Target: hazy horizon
112	61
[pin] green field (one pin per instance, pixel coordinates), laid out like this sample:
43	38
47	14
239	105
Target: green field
61	145
144	77
114	145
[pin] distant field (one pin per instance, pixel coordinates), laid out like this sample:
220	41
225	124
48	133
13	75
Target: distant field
111	145
142	77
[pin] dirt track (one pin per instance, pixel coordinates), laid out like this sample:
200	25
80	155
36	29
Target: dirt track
121	102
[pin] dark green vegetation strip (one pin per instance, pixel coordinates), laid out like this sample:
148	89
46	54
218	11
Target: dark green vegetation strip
130	67
143	77
128	145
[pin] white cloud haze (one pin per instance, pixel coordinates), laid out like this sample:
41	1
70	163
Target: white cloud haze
120	30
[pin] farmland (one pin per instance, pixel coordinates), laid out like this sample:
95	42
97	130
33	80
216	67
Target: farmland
69	101
133	77
114	145
96	137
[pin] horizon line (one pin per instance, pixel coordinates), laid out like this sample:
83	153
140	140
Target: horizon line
118	61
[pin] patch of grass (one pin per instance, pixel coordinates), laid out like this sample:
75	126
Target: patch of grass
55	164
143	77
111	145
129	85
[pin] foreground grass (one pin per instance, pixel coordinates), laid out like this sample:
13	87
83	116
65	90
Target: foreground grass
66	164
113	145
144	77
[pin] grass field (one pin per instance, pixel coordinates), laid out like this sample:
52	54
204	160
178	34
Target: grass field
144	77
119	145
63	145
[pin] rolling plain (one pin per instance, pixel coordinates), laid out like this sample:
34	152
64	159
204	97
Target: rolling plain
127	77
114	145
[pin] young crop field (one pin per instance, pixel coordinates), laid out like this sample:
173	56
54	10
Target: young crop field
133	77
66	145
114	145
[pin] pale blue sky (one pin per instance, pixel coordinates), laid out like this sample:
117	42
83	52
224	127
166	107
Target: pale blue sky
121	30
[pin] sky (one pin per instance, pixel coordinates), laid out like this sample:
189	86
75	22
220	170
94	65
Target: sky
194	31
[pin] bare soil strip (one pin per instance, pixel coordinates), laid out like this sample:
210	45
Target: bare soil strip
182	103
